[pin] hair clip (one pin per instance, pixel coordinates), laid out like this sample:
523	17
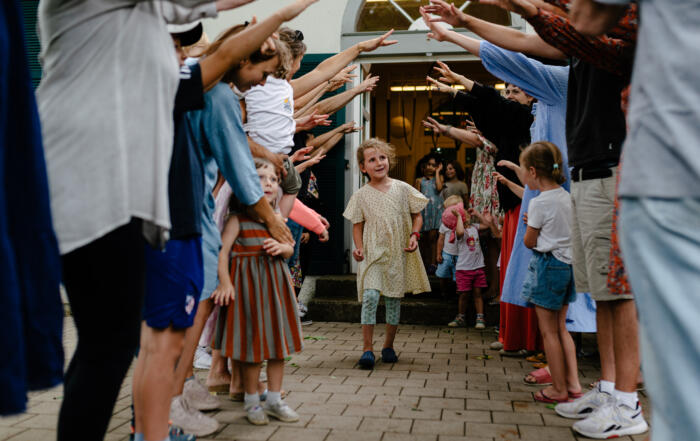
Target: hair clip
298	36
246	23
555	166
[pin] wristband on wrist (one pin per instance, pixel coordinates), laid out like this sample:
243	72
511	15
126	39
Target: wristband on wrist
417	234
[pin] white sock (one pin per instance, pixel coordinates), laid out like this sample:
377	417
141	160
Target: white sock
251	400
629	399
273	398
606	386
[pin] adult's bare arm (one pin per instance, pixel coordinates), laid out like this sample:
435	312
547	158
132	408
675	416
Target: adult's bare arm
331	66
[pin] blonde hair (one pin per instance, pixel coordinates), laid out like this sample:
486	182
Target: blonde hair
452	200
199	48
235	206
378	144
546	159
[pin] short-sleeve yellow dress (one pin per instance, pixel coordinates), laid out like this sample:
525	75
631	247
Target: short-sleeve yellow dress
387	217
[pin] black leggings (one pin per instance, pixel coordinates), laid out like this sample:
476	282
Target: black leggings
105	285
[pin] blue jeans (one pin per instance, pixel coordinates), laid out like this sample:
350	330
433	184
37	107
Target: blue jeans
296	230
660	241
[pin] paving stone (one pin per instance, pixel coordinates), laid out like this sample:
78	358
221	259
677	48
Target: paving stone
338	388
368	411
367	381
386	425
14	419
246	432
7	432
533	419
40	422
35	435
378	390
351	435
393	400
441	403
552	419
423	391
417	413
334	422
472	416
299	434
351	398
404	382
499	431
408	437
321	408
466	393
461	438
438	427
546	433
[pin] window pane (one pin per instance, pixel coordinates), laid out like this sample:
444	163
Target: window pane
381	15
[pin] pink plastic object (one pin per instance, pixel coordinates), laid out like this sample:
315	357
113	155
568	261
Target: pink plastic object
450	220
306	217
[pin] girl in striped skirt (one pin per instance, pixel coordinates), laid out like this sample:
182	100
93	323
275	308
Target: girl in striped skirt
260	320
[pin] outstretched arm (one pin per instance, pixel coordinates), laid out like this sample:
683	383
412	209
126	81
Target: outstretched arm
468	137
241	45
331	66
502	36
331	105
305	102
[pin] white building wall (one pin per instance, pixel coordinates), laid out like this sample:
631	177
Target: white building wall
321	22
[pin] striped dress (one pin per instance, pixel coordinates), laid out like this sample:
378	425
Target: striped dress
262	322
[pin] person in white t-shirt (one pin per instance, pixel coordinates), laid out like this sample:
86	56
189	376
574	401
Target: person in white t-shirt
549	284
470	274
447	250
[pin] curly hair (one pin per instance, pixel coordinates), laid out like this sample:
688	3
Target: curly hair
379	144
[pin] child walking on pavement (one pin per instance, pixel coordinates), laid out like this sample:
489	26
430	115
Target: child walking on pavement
386	219
549	284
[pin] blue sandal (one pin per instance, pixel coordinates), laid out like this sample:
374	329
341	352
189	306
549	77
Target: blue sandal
389	356
367	360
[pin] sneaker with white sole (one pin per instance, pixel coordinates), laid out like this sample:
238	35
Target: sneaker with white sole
256	415
202	358
613	420
191	420
282	412
198	397
584	406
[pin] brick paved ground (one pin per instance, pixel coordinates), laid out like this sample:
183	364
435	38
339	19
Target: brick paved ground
440	390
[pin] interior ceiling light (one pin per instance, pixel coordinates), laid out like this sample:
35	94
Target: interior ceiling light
407	88
500	86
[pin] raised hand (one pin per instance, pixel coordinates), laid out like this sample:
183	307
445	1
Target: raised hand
312	120
508	164
437	32
441	87
446	74
435	126
301	155
342	77
369	83
447	13
350	127
500	178
376	43
291	11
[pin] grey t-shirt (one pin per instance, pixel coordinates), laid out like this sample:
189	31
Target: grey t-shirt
660	156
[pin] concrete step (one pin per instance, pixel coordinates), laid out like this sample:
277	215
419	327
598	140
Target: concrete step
335	299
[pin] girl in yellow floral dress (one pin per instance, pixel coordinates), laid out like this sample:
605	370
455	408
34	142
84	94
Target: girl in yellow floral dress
386	219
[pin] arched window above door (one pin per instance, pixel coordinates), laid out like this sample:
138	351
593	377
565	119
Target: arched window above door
382	15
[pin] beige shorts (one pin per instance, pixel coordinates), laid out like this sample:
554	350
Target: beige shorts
593	203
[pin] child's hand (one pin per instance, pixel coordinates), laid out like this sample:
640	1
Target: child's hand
412	244
323	237
439	258
358	255
305	237
525	218
456	213
500	178
223	294
272	247
488	218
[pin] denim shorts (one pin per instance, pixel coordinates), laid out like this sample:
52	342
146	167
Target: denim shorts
549	282
447	269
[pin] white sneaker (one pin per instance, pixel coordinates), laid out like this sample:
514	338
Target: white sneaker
256	415
198	397
282	412
302	309
613	420
584	406
191	420
202	358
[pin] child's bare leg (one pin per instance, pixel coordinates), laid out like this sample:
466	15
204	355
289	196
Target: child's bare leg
251	373
462	303
275	373
236	377
367	337
389	336
569	350
548	321
478	301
